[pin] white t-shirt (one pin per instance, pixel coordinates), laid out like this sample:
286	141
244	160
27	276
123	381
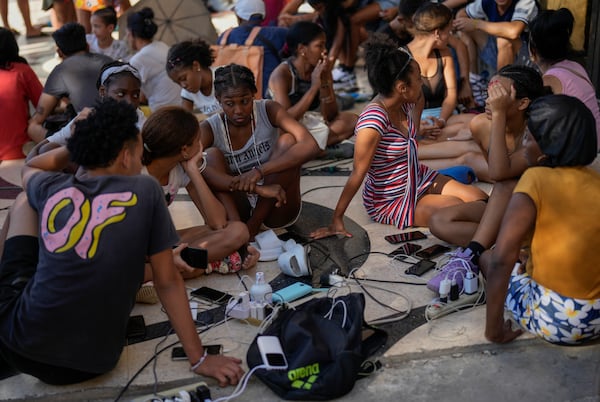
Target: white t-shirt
150	61
207	105
61	136
118	49
177	179
525	11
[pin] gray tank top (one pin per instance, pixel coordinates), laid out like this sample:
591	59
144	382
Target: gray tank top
257	150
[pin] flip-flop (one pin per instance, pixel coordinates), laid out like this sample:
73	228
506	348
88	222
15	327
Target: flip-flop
294	262
268	244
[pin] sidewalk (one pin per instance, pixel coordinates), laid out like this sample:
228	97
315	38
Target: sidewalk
445	360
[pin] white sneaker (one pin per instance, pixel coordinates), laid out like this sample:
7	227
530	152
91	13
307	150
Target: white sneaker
337	73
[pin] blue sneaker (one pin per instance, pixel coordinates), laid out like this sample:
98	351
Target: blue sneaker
455	268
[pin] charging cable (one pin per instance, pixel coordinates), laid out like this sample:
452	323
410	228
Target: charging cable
241	387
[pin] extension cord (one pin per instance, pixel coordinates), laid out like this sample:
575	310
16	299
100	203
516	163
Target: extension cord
239	307
438	309
173	393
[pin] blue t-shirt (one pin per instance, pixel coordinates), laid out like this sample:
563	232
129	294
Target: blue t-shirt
275	35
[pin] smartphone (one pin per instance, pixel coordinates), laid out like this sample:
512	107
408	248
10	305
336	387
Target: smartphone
420	267
136	327
271	352
291	293
404	237
212	295
177	353
432	251
195	257
405	249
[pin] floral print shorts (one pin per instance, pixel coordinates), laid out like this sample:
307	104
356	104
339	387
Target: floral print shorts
549	315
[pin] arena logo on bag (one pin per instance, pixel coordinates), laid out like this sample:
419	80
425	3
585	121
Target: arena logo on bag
297	375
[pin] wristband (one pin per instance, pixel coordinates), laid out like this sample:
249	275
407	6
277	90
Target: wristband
262	176
199	363
203	163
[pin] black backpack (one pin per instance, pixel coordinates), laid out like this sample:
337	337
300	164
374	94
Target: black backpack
325	341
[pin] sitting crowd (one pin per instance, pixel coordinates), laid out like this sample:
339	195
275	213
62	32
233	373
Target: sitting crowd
138	123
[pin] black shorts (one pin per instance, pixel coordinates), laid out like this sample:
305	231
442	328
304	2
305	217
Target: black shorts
18	265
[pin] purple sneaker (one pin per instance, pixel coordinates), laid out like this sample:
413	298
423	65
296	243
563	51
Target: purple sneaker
456	268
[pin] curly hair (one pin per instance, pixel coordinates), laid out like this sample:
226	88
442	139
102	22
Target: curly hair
9	50
234	76
98	139
141	24
184	54
550	34
166	131
386	63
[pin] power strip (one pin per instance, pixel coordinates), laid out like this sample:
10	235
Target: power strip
199	390
437	309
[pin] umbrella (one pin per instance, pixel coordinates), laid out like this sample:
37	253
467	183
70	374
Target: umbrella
177	20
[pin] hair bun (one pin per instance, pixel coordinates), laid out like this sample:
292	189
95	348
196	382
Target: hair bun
147	12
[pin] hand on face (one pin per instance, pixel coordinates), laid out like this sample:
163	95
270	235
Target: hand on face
499	99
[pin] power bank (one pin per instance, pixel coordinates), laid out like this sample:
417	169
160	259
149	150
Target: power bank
271	352
291	293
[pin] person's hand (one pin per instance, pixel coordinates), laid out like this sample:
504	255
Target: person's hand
336	228
186	271
430	129
465	94
506	334
317	74
246	182
226	370
499	99
286	20
84	113
465	24
388	14
272	191
195	161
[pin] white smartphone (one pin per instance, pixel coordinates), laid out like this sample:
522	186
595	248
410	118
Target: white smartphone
271	352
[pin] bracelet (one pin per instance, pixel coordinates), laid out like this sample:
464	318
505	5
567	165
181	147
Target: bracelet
262	175
203	163
199	363
443	122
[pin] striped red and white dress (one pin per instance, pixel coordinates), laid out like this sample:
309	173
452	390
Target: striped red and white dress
396	179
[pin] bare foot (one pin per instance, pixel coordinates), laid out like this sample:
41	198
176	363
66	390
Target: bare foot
34	32
251	259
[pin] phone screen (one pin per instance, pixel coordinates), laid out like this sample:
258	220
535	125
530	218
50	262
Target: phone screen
405	249
211	294
195	257
420	267
136	327
432	251
404	237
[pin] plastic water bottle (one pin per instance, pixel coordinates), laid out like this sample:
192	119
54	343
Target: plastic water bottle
261	291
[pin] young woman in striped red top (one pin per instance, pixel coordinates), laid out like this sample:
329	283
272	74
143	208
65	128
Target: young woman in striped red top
398	189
